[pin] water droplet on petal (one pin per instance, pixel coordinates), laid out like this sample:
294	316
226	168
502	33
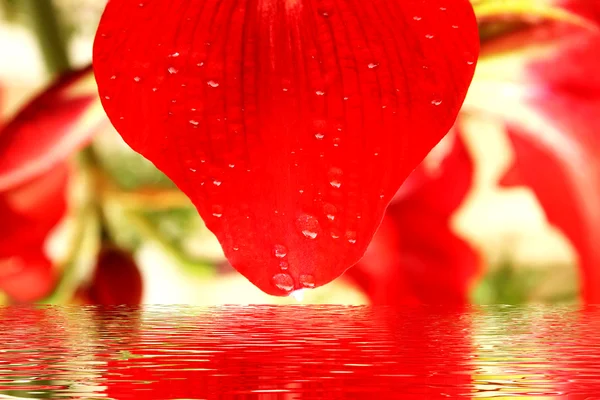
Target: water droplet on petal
335	176
307	281
417	18
429	36
137	79
213	84
194	122
319	136
283	282
174	55
284	265
217	182
320	93
217	211
351	237
373	65
173	70
309	226
280	251
436	102
455	26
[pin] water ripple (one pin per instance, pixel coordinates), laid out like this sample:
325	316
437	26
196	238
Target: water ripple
299	352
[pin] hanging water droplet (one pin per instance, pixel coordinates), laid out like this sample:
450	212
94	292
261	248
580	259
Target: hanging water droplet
307	281
283	282
173	70
213	84
373	65
436	102
309	226
319	135
280	251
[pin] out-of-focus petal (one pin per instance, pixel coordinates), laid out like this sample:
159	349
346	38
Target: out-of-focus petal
415	257
28	276
29	211
49	129
290	124
548	94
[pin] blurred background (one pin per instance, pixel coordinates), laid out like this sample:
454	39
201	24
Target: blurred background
127	235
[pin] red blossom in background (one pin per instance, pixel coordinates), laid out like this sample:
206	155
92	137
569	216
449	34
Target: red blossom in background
547	91
34	146
290	124
415	257
116	280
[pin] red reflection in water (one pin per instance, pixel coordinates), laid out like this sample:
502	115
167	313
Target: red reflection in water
325	352
298	352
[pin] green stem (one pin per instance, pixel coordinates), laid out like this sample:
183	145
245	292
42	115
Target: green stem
48	32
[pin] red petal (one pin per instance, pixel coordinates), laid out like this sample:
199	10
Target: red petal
27	277
117	279
290	124
48	130
415	257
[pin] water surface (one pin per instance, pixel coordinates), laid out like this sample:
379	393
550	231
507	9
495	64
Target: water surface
300	352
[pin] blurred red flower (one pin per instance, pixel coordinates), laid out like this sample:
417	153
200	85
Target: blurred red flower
415	257
547	92
116	280
34	146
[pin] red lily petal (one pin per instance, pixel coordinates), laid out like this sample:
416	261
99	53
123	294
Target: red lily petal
27	277
117	279
415	257
49	129
290	124
30	211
